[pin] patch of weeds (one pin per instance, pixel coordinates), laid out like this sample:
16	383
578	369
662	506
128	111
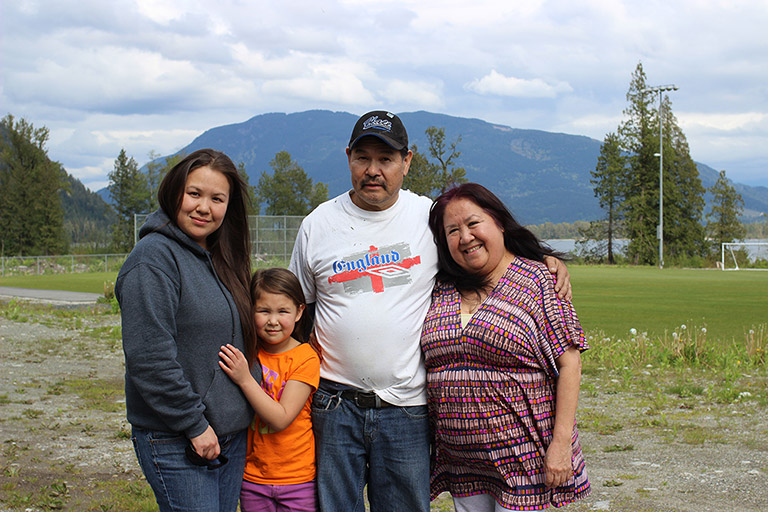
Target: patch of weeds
613	483
57	494
685	390
619	448
124	495
11	471
32	413
589	389
695	435
123	433
601	423
100	394
55	389
4	399
107	332
14	310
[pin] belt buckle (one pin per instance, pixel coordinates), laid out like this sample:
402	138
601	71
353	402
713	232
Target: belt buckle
367	400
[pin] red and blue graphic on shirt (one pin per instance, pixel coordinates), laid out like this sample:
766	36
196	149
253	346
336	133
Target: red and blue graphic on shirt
376	269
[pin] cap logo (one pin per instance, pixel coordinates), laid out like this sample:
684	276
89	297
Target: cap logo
379	124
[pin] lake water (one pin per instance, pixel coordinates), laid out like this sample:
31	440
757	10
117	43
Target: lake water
568	245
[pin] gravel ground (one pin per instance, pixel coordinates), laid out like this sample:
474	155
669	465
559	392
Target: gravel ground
647	448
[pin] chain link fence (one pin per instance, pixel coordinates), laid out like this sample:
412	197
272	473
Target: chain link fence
272	236
70	263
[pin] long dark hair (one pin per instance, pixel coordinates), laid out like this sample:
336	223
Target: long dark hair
230	245
518	240
282	281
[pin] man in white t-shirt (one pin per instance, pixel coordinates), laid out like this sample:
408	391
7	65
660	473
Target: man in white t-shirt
367	261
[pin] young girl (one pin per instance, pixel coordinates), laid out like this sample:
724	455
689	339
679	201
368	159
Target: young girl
280	463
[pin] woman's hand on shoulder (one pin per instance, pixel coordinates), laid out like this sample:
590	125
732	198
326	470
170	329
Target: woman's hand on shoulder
235	364
562	277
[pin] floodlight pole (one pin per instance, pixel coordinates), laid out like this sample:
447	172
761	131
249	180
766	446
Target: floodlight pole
660	228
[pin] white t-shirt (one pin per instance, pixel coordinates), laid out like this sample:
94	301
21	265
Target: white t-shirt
370	275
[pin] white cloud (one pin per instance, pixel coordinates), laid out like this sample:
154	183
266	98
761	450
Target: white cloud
416	94
721	122
497	84
124	72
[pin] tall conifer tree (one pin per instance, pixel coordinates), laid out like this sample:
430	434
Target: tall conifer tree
30	183
130	195
727	206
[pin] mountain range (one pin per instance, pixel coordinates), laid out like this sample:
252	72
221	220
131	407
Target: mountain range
541	176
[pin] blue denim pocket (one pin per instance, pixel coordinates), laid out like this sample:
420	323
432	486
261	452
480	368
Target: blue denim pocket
416	412
323	401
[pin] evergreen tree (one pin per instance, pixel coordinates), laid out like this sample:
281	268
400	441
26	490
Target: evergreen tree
253	202
608	180
641	183
30	183
129	192
683	201
422	177
289	191
431	179
723	223
684	234
156	171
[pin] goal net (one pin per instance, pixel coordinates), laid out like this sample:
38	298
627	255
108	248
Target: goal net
744	256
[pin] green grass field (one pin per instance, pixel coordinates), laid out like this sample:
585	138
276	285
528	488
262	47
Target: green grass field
91	282
611	300
616	299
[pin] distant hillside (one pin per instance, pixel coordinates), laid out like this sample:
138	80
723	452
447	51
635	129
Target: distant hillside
541	176
87	218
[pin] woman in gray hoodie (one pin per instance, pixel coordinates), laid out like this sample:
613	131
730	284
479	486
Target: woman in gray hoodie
183	293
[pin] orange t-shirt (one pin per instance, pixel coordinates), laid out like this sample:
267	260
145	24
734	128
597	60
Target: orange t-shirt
286	457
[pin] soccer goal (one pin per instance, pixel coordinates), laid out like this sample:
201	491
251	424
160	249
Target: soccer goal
744	255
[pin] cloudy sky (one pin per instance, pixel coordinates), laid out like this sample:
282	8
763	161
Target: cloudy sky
150	75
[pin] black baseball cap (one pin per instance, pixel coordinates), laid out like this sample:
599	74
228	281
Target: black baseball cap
382	124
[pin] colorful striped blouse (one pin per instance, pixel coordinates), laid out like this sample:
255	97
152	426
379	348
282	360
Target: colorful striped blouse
492	387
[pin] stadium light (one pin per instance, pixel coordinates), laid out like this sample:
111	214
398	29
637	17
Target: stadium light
660	228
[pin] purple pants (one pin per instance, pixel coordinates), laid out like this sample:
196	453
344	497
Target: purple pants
278	498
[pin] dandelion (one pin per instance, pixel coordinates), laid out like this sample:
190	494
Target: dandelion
633	331
704	330
683	327
674	335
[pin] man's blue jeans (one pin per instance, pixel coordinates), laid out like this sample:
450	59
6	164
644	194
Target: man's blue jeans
386	448
178	484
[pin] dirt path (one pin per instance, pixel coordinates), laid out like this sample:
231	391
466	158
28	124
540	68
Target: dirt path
654	440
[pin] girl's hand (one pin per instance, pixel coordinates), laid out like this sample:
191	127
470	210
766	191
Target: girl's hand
234	364
557	464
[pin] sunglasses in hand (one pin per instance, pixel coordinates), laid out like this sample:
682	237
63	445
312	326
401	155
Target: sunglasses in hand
198	460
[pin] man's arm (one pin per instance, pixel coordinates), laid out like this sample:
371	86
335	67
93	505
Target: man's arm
562	277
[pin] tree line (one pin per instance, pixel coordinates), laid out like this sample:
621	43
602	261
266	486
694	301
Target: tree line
45	211
626	185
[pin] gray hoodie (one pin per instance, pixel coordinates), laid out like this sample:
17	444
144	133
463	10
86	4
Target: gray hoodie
176	313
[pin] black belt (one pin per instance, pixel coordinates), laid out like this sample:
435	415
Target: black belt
364	399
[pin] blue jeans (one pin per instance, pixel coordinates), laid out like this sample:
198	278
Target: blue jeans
181	486
385	448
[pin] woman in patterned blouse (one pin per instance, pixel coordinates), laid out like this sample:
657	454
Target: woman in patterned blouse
503	363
